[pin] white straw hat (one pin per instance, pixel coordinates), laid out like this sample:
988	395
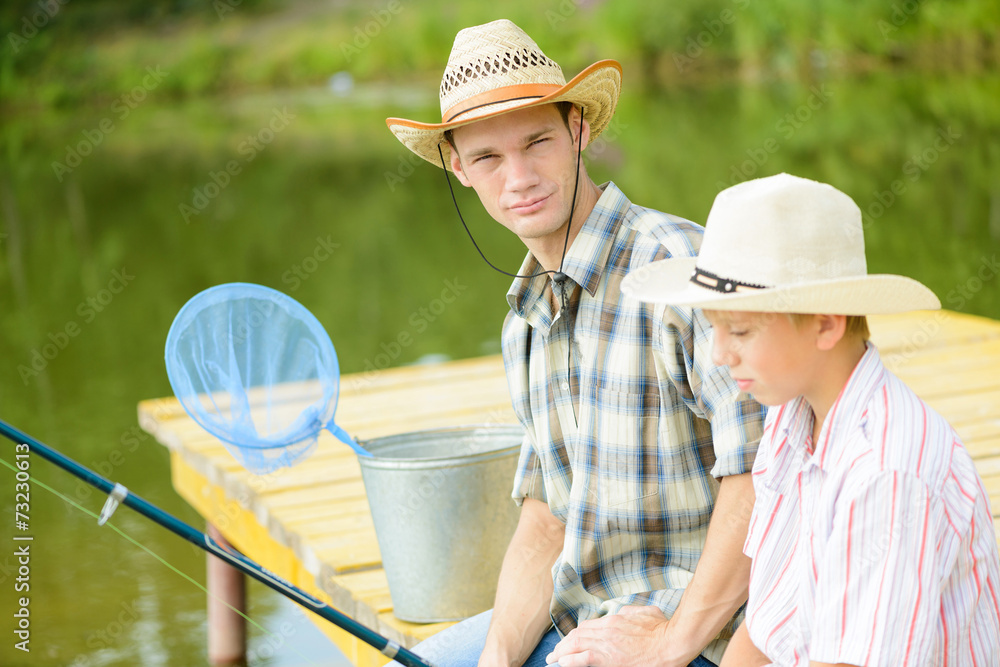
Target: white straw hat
496	68
780	244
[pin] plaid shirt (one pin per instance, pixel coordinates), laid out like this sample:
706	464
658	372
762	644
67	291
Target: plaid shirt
625	442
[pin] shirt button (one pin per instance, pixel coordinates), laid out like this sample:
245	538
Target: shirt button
565	386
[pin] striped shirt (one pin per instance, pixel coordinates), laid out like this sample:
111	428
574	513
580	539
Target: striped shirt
876	548
629	425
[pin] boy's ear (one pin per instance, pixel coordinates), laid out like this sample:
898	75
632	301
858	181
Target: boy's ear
830	330
456	166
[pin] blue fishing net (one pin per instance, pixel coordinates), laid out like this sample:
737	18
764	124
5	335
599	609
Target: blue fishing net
244	360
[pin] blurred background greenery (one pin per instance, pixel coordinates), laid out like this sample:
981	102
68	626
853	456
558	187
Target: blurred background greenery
184	144
90	49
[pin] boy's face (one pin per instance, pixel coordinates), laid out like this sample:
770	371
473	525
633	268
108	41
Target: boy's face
522	165
768	356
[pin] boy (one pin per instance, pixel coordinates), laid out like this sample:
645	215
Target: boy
871	536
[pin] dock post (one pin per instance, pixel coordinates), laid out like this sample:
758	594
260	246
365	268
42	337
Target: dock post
227	630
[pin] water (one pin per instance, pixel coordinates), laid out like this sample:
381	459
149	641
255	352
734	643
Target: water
308	193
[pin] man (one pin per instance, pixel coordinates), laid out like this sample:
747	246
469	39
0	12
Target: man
629	426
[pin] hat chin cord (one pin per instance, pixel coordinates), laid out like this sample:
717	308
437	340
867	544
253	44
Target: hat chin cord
557	275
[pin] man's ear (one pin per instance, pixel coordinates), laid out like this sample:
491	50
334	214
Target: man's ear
830	330
574	127
456	166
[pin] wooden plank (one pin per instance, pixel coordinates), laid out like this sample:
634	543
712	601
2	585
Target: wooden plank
410	633
954	383
941	362
979	449
967	407
427	375
367	592
905	333
989	468
334	555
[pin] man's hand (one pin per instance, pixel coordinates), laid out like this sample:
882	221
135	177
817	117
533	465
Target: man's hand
642	635
635	637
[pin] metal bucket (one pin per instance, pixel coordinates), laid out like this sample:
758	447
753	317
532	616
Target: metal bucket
440	500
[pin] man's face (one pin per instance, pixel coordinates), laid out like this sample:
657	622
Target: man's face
767	354
522	166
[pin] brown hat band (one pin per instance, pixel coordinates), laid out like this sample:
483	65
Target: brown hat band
506	94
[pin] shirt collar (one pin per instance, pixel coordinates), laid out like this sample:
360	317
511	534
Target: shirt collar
585	259
846	412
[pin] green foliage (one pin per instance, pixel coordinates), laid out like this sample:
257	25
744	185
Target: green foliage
85	51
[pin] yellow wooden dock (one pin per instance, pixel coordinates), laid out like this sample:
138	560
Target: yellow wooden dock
311	525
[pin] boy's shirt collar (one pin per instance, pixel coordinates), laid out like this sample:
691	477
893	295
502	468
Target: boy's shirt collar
847	412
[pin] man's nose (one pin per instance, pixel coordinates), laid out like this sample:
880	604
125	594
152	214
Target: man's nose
521	173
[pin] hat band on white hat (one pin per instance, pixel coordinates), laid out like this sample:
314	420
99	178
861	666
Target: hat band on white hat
719	284
524	91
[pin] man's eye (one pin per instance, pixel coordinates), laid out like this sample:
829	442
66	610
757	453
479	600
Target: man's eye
738	334
538	141
481	158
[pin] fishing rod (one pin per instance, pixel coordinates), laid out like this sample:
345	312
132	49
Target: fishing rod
118	494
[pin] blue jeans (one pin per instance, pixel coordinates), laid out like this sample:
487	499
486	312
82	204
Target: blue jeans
462	644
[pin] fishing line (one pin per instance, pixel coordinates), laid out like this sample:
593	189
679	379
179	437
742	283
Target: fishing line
128	537
576	183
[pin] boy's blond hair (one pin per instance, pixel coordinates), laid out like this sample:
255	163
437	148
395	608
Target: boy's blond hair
856	326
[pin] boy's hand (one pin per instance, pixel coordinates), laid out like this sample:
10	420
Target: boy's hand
634	637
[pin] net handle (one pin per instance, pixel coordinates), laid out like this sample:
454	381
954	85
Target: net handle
342	435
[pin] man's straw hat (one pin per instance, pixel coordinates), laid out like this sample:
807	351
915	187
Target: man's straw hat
780	244
496	68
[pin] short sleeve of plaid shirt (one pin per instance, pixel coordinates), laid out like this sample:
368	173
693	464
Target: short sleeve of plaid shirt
628	422
708	391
